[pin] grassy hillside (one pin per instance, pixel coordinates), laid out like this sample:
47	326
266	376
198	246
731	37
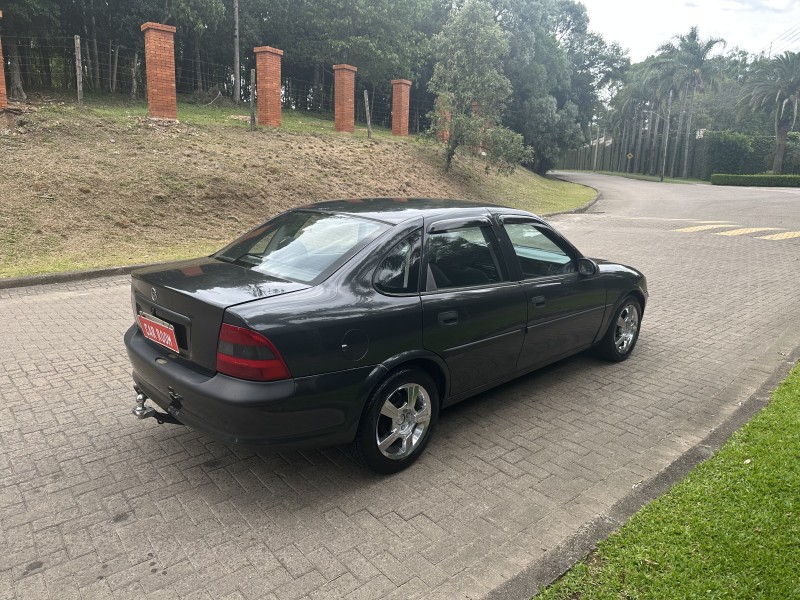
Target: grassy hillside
106	186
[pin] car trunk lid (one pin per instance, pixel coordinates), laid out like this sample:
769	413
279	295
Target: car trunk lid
192	297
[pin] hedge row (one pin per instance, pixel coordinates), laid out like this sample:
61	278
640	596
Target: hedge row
757	180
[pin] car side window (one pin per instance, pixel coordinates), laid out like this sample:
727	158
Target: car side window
539	255
398	273
462	258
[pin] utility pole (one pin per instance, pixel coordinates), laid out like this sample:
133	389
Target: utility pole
596	148
237	81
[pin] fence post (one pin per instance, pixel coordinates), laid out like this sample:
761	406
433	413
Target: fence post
252	99
3	97
78	70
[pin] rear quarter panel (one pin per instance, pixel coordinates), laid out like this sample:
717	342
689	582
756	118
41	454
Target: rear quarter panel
343	323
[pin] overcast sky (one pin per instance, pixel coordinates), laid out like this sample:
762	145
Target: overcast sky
642	25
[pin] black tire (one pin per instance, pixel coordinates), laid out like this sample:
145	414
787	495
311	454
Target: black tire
623	331
408	431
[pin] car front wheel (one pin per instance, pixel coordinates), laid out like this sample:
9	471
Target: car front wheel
398	421
623	332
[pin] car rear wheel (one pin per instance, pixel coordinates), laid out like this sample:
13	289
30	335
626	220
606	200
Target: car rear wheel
398	421
623	332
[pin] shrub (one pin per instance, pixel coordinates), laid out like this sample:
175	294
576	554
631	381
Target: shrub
726	152
757	180
763	153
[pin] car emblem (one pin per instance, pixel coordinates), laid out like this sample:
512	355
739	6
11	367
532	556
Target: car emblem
153	294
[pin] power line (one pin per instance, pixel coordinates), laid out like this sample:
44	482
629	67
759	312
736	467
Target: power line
788	44
785	34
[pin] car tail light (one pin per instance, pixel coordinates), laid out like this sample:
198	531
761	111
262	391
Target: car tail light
246	354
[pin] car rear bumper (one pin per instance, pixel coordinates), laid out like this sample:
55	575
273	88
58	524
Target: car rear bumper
319	410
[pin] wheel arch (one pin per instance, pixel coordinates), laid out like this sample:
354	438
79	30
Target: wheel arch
432	364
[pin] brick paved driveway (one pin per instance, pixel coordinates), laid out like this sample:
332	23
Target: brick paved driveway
94	504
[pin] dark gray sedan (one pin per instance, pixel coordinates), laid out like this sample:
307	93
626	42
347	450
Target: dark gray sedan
356	321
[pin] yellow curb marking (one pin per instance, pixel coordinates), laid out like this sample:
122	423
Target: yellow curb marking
786	235
703	228
746	230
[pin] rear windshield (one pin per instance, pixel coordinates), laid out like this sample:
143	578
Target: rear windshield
302	246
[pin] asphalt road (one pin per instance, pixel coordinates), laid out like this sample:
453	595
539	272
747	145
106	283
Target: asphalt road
94	504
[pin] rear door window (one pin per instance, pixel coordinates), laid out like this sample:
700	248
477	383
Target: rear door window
463	257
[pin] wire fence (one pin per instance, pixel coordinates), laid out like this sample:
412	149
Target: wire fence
53	65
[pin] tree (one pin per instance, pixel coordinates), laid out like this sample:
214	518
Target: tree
470	87
22	19
195	16
689	65
774	85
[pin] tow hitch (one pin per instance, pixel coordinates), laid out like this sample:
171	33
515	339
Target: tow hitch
140	411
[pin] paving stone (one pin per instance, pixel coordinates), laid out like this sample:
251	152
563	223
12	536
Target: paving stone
94	504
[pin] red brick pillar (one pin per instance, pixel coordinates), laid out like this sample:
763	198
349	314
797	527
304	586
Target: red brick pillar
159	55
401	90
344	89
268	78
3	97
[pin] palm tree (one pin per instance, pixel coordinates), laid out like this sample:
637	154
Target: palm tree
688	64
775	85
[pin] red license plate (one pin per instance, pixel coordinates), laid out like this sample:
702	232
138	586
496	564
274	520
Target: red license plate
159	331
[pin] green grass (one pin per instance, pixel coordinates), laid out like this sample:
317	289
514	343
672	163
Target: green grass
101	186
731	529
222	112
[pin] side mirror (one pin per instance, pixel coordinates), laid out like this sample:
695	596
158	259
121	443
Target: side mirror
587	267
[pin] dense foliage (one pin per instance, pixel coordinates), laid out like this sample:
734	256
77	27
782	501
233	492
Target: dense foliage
549	70
756	180
548	87
692	110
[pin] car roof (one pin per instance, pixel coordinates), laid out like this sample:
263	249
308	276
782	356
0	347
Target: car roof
398	210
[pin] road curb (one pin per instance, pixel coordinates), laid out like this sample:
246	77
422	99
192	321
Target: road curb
580	209
562	557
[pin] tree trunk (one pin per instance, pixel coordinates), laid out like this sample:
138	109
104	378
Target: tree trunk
674	159
47	73
316	93
637	158
450	151
688	132
17	90
622	145
134	67
653	161
646	157
114	70
782	127
198	81
95	53
179	85
666	135
86	59
68	69
237	82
